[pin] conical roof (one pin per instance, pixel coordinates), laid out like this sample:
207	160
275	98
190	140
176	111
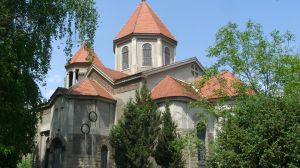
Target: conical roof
82	56
144	21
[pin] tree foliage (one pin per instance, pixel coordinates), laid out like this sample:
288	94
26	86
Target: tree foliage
26	162
265	63
27	28
134	137
168	152
261	130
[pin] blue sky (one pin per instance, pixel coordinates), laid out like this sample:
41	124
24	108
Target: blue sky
193	22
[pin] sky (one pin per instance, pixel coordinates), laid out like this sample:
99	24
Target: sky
193	22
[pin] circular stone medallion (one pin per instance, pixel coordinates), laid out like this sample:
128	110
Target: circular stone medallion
85	128
93	116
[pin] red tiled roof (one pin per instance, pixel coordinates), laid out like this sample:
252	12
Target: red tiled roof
220	85
171	87
144	21
81	56
113	74
88	87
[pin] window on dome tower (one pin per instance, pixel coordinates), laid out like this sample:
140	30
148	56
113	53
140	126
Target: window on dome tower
147	55
125	60
70	78
167	56
76	75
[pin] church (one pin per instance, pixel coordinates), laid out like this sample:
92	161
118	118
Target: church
75	124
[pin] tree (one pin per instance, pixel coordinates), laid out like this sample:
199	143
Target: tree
266	63
260	130
134	136
167	152
27	28
26	162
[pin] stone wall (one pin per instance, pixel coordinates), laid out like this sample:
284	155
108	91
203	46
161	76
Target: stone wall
64	118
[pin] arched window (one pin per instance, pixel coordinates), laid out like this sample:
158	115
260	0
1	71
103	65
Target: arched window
70	79
104	154
47	154
125	60
202	151
167	56
147	55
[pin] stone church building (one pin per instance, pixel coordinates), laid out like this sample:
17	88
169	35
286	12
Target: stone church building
75	124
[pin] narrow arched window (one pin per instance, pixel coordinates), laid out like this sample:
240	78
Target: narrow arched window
70	79
167	56
147	55
201	151
104	154
125	60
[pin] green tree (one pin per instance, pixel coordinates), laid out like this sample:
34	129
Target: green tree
261	130
26	162
134	137
27	29
266	63
168	153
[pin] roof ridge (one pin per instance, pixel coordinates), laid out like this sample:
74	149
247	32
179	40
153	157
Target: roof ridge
138	15
153	17
144	21
76	84
97	83
175	79
160	82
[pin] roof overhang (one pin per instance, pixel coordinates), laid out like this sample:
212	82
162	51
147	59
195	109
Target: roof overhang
64	92
143	35
160	69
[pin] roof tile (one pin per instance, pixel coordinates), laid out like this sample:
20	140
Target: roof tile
113	74
81	56
88	87
220	85
171	87
144	21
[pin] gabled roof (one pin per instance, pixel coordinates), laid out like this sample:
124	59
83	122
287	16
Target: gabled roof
112	74
171	87
144	21
161	69
89	87
82	56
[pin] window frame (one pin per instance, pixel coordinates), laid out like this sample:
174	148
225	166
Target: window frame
124	51
104	148
165	56
195	70
147	59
